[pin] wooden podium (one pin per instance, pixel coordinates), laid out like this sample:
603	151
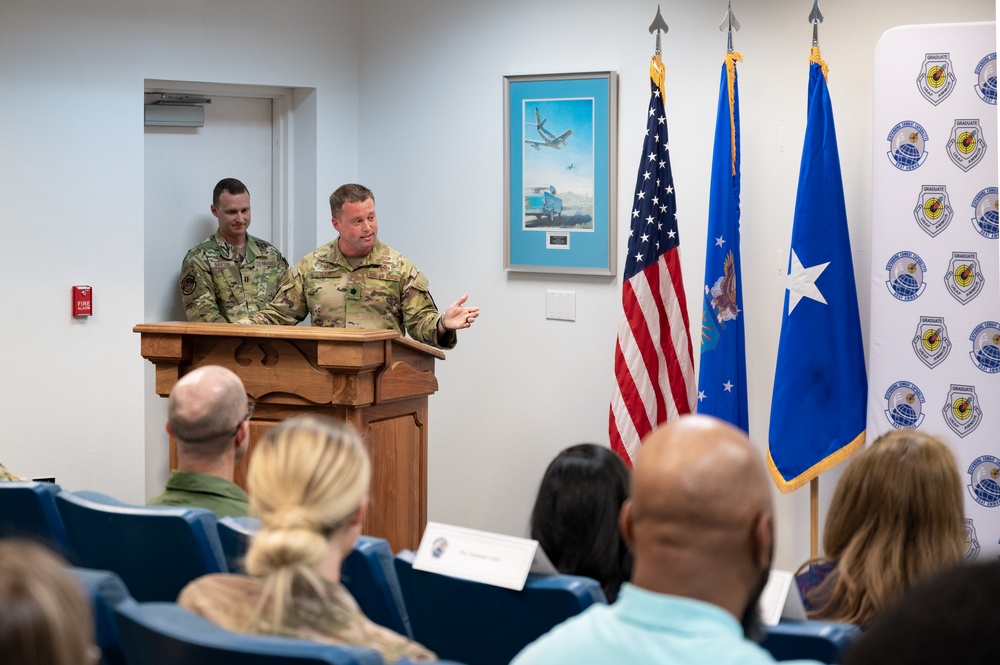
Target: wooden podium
374	379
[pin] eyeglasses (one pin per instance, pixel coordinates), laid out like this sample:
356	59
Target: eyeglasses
250	410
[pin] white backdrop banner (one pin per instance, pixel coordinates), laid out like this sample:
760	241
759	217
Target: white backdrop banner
934	361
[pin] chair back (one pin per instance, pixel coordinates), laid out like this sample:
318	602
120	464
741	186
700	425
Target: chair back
155	550
106	591
28	510
482	624
369	574
234	536
824	641
167	634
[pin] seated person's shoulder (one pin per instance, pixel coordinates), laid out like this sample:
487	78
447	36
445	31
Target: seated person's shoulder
222	598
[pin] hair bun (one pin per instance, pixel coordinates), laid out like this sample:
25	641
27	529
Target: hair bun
272	551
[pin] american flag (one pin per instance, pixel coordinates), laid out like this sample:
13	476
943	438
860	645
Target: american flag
654	370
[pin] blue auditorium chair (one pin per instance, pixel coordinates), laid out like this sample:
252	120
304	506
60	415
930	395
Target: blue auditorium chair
367	572
167	634
155	550
106	591
28	510
824	641
234	536
483	624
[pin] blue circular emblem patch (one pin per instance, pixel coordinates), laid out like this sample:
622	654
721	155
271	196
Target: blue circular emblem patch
984	477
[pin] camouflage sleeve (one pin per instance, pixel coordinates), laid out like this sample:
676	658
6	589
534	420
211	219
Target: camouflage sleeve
6	475
197	290
420	314
288	306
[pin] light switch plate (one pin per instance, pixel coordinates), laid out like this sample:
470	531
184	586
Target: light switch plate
560	305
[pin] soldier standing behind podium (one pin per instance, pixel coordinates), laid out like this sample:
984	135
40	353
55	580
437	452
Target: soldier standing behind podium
232	274
356	281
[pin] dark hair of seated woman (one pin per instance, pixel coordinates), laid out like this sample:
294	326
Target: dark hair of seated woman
575	518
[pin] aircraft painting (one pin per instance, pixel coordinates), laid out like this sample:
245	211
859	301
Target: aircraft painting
550	139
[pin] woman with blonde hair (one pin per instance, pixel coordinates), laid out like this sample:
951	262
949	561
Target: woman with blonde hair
896	518
308	483
45	617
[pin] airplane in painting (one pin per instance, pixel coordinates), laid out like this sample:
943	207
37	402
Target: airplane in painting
551	140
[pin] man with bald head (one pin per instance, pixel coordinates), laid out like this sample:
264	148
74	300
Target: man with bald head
209	420
699	522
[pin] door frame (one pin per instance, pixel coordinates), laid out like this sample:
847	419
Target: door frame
282	145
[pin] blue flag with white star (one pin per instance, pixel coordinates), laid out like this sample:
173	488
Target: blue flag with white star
722	373
820	386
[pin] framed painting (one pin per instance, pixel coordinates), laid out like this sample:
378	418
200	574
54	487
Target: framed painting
560	157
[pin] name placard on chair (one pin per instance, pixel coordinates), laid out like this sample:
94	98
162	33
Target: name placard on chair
480	556
780	599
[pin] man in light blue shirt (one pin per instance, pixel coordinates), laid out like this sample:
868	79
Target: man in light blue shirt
699	523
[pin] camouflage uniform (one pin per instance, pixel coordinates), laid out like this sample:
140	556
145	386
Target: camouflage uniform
232	601
218	288
6	475
382	290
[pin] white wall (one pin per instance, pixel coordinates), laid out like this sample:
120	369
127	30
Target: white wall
71	197
408	100
518	388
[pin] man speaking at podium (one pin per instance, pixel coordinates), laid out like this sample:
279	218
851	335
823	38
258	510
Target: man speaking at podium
356	281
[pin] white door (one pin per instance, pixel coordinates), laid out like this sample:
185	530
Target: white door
182	165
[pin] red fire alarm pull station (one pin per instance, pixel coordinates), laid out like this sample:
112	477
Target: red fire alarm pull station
83	301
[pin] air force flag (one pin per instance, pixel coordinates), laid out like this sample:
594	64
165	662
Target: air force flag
722	374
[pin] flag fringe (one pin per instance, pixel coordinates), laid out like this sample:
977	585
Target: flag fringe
731	60
814	56
824	465
658	73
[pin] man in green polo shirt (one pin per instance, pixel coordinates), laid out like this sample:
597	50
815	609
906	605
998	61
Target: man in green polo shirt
209	418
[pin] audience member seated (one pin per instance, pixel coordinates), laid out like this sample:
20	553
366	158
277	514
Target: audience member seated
896	517
6	475
210	422
308	483
949	618
45	617
575	518
699	522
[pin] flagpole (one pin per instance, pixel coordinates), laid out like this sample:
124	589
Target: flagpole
814	518
658	27
815	17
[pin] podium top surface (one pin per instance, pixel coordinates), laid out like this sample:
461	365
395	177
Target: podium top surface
313	333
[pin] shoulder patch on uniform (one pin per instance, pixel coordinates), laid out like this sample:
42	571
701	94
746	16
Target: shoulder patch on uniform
419	282
188	285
